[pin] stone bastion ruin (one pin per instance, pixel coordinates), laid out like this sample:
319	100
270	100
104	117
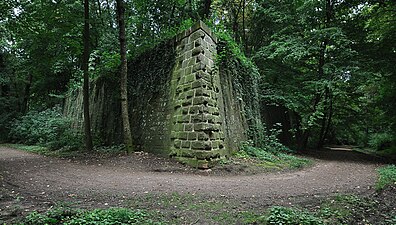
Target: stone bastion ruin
182	102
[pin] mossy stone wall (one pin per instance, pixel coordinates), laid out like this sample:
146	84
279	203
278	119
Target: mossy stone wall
150	98
198	125
181	102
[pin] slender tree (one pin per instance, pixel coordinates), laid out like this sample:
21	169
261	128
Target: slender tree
87	121
123	76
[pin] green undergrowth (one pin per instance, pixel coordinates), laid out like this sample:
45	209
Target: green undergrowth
48	128
190	209
69	216
30	148
387	177
194	208
284	215
99	151
388	153
272	159
344	209
340	209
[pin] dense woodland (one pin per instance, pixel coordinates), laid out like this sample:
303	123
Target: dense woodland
327	67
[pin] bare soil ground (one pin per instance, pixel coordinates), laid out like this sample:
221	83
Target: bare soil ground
35	182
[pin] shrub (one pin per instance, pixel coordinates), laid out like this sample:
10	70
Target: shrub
46	128
8	112
259	153
288	216
279	157
98	216
53	216
110	216
37	218
380	141
387	176
294	161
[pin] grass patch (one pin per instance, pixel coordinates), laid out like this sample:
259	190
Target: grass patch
41	150
99	151
290	216
272	160
29	148
341	209
69	216
174	208
387	176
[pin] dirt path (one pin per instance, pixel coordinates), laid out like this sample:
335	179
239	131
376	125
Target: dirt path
50	179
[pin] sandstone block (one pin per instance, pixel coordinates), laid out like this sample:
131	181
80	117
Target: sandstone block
203	92
188	127
201	145
183	118
199	66
186	144
199	34
201	100
198	50
186	102
202	136
177	143
199	84
189	78
192	136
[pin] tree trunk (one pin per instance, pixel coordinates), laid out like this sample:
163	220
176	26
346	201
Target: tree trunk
244	26
87	121
327	97
329	120
123	77
25	104
206	9
326	116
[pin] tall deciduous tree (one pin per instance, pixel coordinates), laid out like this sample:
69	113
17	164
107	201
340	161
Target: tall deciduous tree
123	77
87	121
308	62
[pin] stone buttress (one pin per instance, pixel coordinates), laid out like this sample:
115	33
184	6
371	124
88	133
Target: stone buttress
197	137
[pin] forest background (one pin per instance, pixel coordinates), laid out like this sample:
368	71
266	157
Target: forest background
327	67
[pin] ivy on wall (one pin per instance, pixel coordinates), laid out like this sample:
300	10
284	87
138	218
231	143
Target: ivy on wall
245	78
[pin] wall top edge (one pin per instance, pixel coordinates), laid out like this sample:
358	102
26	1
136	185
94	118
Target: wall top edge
197	26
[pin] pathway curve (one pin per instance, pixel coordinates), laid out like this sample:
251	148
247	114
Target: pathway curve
52	178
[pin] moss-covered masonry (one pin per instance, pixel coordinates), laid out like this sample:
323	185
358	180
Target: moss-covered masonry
180	104
197	123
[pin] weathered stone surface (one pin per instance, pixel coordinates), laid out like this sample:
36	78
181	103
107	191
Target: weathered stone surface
181	135
192	136
203	92
199	34
206	127
186	144
203	136
189	127
198	50
197	106
177	143
199	154
199	66
201	145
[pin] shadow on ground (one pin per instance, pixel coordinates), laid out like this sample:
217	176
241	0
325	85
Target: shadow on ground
345	154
